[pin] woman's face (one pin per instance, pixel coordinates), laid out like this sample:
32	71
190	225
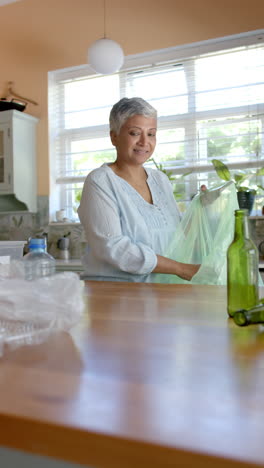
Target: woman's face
136	140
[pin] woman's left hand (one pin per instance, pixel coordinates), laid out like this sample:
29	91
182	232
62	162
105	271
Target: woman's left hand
189	270
168	266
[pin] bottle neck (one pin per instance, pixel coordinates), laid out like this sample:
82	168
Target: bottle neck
245	317
241	225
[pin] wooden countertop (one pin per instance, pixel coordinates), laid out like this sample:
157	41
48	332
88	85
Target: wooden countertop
154	376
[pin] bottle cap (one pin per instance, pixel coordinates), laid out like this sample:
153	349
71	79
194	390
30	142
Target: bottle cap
37	243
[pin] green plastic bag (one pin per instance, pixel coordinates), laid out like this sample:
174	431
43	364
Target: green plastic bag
204	235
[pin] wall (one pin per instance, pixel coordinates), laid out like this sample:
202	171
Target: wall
41	35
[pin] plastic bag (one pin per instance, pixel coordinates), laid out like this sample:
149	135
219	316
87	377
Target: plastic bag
31	310
204	235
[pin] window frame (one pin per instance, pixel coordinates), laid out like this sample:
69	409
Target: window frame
58	197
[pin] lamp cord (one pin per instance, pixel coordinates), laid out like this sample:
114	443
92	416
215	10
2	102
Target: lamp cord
104	19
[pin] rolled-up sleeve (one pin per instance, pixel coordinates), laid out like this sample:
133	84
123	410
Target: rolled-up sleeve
100	216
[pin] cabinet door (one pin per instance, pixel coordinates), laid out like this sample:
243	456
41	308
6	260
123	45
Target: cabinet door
5	159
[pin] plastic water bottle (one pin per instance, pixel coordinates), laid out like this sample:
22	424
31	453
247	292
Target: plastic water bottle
37	261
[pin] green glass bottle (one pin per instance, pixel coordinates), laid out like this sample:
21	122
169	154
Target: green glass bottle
242	268
246	317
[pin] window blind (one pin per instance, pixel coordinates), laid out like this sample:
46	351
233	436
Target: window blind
210	103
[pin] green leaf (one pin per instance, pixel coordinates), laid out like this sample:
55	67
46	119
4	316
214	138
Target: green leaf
177	196
239	177
242	188
14	221
260	172
221	169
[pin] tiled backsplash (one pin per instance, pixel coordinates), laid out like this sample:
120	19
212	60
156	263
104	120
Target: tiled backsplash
22	225
73	231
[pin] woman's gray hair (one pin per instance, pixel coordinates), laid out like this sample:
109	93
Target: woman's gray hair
126	108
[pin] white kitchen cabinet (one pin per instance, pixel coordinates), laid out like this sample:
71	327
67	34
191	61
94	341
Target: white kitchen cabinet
18	157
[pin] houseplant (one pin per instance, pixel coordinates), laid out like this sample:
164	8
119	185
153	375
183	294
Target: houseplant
245	191
171	176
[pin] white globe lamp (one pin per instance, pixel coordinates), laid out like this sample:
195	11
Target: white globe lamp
105	56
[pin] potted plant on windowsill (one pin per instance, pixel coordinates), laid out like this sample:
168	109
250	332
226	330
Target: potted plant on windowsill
245	192
178	196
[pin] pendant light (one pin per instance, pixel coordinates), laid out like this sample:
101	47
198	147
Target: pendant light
105	56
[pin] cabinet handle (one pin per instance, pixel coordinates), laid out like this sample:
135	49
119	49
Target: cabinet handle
9	179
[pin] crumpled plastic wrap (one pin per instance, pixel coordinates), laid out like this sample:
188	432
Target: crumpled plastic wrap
31	310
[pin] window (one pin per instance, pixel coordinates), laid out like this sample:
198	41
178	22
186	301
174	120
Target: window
210	102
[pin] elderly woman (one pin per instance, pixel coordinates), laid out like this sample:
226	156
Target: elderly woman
128	212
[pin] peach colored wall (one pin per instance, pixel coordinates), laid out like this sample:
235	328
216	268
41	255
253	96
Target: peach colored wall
37	36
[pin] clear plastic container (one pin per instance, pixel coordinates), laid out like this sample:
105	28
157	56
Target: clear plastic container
12	249
37	262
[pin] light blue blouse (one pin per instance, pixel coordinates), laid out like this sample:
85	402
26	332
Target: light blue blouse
123	231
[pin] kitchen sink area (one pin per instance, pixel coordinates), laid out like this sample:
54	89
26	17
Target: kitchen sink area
69	265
